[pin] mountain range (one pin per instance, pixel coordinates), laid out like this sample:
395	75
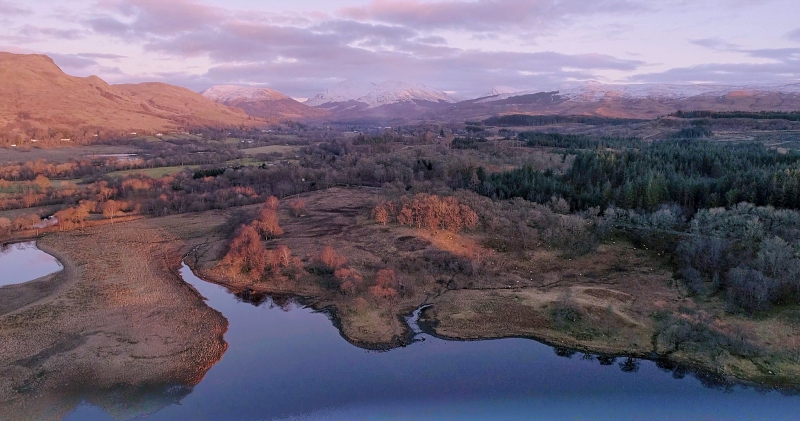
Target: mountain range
37	99
353	100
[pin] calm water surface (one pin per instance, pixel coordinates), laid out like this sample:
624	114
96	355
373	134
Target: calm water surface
23	262
291	363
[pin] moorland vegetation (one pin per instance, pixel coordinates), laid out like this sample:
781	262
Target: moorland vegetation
453	213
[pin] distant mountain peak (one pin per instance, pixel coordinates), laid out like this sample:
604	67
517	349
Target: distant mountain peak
501	90
261	102
227	94
597	91
377	94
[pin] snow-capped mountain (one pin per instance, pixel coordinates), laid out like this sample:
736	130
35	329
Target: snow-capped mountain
636	101
378	94
503	90
262	102
596	91
231	93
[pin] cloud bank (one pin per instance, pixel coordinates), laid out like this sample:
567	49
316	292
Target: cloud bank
466	46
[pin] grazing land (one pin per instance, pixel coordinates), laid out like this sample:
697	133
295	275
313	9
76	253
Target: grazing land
283	149
157	172
11	155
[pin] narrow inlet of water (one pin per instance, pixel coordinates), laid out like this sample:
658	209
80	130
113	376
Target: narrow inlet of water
286	361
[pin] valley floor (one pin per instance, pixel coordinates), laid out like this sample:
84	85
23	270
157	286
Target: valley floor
118	318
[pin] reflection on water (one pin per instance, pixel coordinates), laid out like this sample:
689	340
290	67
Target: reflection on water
288	362
23	262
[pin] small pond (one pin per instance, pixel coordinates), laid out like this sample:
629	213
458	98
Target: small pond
23	262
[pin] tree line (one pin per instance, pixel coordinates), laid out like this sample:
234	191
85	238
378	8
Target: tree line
756	115
694	174
544	120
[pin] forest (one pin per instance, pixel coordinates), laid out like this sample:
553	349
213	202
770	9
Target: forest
694	174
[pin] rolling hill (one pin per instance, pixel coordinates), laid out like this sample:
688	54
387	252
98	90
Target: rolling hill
39	101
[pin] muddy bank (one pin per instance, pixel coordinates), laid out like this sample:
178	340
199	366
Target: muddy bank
116	325
481	315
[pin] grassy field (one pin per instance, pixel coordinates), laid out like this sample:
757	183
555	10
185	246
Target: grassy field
243	162
10	155
272	149
167	137
154	172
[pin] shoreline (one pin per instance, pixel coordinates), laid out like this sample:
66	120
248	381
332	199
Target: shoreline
706	374
18	297
194	239
691	367
329	309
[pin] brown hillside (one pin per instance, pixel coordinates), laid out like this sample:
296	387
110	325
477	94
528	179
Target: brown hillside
181	104
281	109
263	103
39	101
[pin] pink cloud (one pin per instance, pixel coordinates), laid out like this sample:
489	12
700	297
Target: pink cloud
8	9
303	56
483	15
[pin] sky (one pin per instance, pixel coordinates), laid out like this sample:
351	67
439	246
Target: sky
463	47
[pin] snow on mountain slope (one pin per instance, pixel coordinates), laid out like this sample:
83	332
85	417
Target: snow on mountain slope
595	91
377	94
227	94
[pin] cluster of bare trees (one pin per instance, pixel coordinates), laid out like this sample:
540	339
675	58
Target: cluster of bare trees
427	211
267	221
350	282
248	255
386	285
73	217
41	192
65	219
